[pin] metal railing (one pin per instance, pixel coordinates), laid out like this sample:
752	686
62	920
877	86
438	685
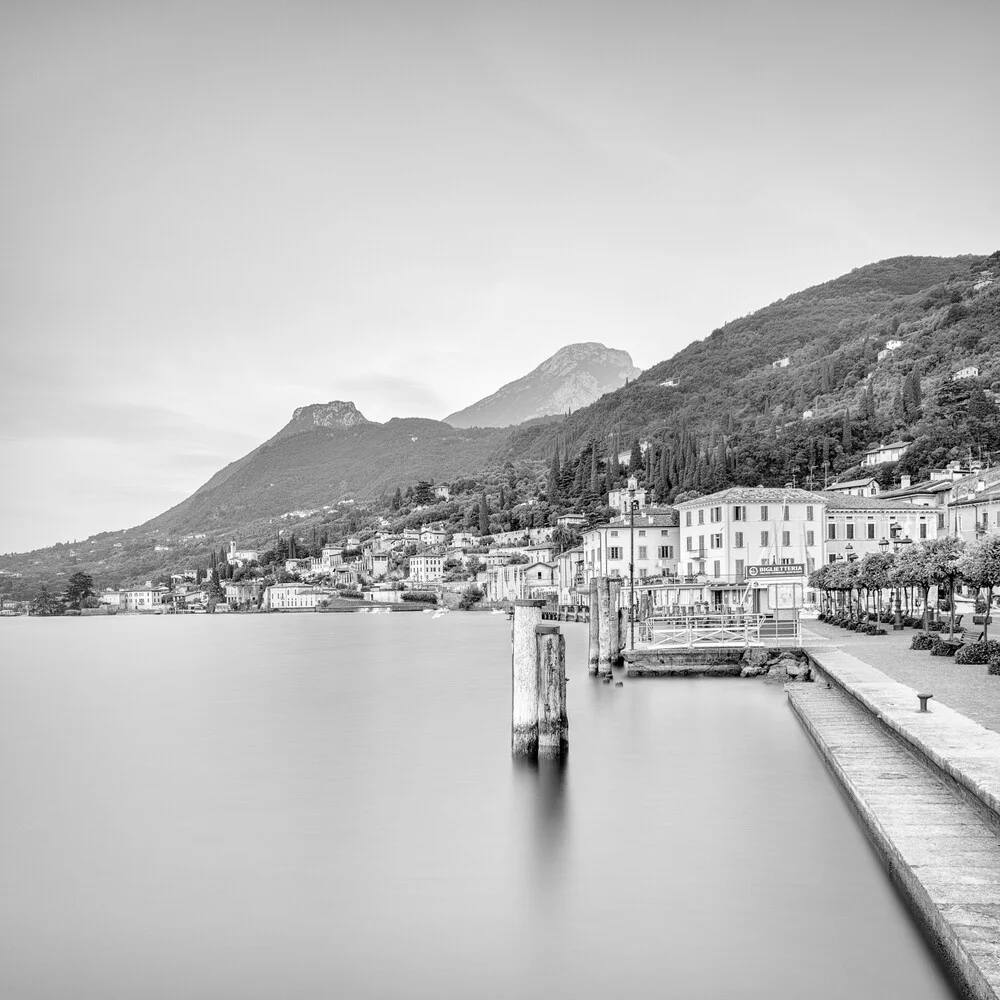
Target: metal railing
739	629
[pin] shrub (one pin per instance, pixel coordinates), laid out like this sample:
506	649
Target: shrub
471	596
922	642
421	597
978	652
944	647
872	630
993	667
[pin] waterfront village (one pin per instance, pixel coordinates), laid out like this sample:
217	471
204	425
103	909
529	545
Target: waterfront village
699	554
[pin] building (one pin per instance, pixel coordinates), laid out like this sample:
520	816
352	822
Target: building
881	453
606	547
293	597
781	363
856	525
240	557
893	345
668	382
442	492
867	487
299	565
112	598
464	540
515	582
426	568
545	552
619	500
807	414
376	564
970	371
147	598
977	511
571	522
244	592
569	566
332	555
432	534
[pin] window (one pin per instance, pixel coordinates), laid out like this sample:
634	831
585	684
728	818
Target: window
715	540
765	539
763	513
642	573
739	569
642	532
831	531
716	569
666	552
832	557
690	573
716	514
614	552
809	513
786	513
701	543
739	513
614	534
738	540
701	515
690	543
687	518
850	531
642	551
786	538
539	574
871	531
663	532
923	530
810	538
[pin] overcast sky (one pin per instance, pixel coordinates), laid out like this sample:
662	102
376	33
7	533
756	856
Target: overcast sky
215	212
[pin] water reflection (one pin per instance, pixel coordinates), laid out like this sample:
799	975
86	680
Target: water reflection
542	789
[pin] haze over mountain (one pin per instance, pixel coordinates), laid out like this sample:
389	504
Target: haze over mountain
573	377
723	411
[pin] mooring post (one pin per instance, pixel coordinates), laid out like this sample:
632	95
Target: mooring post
603	625
553	723
593	629
524	679
615	587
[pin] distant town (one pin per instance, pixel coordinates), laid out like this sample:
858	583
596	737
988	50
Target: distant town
697	552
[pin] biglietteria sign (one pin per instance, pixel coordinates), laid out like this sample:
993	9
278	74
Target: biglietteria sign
770	571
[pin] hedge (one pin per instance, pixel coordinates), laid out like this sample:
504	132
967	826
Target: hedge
978	652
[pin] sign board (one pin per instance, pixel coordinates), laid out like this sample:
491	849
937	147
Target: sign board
769	572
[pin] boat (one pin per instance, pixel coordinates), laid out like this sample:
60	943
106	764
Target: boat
498	611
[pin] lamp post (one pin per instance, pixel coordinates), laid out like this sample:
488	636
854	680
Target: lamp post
897	611
883	547
632	506
852	556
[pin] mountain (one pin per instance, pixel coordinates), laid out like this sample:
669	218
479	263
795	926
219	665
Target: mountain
572	378
327	452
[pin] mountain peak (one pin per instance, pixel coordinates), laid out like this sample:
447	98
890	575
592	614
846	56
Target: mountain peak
336	413
575	376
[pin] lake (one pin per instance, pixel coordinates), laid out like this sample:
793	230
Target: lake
312	805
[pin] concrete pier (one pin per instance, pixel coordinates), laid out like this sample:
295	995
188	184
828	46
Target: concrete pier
593	630
553	723
615	636
524	679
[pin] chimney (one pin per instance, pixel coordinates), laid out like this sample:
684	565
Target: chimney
980	485
904	482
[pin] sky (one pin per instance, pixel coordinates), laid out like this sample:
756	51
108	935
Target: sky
213	213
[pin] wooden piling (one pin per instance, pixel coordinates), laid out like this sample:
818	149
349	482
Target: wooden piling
553	723
524	679
615	587
592	630
603	626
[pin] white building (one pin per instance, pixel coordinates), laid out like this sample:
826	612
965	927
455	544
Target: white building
606	547
113	598
426	568
293	597
867	487
146	598
881	453
855	525
668	382
781	363
571	576
538	580
244	592
970	371
239	557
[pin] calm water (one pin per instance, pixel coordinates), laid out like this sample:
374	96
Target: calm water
325	806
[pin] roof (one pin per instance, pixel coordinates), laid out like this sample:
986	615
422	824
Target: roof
844	501
758	494
990	495
848	483
927	486
890	444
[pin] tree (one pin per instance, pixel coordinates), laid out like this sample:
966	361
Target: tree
484	515
552	490
79	587
873	574
45	604
846	437
980	568
397	499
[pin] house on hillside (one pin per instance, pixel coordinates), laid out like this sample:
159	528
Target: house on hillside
239	557
781	363
807	414
867	487
970	371
426	568
879	454
571	521
442	492
668	382
433	534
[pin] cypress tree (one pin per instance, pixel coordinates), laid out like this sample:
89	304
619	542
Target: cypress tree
595	482
484	515
847	439
553	488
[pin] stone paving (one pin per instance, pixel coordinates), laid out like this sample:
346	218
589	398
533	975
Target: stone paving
944	854
966	688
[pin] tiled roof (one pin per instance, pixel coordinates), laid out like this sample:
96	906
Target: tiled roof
757	494
843	501
882	447
989	495
833	487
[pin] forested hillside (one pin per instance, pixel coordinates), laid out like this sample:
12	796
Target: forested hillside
736	416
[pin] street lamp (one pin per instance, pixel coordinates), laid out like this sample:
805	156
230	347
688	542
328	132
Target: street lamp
897	611
633	505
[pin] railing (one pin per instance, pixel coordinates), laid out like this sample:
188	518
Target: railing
689	631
